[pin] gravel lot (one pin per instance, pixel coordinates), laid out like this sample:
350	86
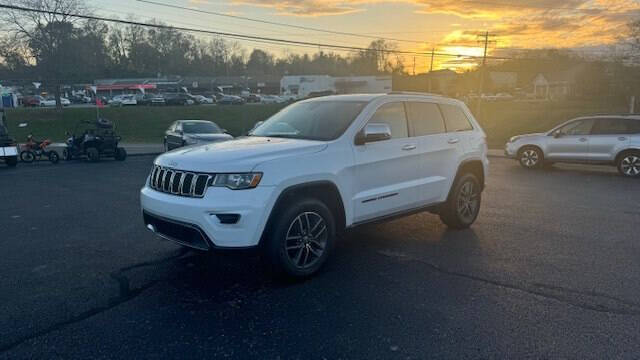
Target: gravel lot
550	270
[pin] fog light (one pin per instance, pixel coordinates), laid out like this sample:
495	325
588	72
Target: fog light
228	218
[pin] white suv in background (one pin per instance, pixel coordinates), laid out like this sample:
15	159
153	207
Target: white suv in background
317	167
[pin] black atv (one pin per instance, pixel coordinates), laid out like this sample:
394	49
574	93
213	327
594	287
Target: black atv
94	140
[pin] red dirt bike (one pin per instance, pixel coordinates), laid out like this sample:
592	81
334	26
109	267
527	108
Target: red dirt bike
35	150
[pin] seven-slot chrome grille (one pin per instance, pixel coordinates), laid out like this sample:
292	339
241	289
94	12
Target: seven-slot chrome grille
177	182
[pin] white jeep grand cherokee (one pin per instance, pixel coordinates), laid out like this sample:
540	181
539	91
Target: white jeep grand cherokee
317	167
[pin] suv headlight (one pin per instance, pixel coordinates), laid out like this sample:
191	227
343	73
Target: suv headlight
237	181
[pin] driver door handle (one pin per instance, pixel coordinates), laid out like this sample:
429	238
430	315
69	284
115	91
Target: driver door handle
409	147
453	141
583	139
622	138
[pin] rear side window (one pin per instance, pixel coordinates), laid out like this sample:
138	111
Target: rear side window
455	119
613	126
633	126
425	118
392	114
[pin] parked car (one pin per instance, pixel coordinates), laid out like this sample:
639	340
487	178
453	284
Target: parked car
317	167
231	100
253	98
193	132
271	99
180	99
158	100
201	99
8	146
31	100
50	101
123	100
603	139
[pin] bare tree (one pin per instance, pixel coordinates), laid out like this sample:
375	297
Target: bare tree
46	33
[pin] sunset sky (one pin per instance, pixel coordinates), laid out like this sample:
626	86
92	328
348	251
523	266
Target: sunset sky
450	26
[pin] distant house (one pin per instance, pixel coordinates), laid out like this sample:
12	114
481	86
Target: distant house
559	84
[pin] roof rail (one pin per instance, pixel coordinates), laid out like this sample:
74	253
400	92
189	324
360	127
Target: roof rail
412	93
613	114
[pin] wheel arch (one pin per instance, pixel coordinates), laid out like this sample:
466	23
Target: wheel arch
322	190
624	151
473	166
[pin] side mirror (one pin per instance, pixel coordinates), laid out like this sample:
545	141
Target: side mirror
224	131
373	132
557	134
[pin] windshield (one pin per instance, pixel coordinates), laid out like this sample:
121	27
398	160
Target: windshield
315	120
200	128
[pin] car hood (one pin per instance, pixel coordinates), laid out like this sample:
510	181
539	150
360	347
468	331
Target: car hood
238	155
528	136
209	137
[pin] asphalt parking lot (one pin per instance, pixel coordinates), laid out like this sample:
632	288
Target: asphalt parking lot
551	269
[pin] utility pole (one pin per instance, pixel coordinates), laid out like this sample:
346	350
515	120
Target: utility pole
433	51
414	66
485	40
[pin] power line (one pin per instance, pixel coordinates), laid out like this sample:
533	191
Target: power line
241	36
277	23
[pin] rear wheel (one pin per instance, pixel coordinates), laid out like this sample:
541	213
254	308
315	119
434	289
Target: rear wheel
54	157
299	243
629	164
27	156
463	205
121	154
530	157
92	154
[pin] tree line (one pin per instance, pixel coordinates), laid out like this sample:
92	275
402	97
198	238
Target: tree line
51	47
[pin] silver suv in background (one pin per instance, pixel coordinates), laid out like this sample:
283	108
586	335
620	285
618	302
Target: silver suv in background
602	139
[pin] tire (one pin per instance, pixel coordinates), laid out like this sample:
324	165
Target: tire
531	157
54	157
11	161
629	164
121	154
463	204
291	248
27	156
93	154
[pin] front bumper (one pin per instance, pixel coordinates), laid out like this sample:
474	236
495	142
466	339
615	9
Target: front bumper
199	214
510	150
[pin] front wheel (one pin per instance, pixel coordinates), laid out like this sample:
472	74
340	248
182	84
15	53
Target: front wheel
530	157
27	156
121	154
299	242
629	164
463	205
